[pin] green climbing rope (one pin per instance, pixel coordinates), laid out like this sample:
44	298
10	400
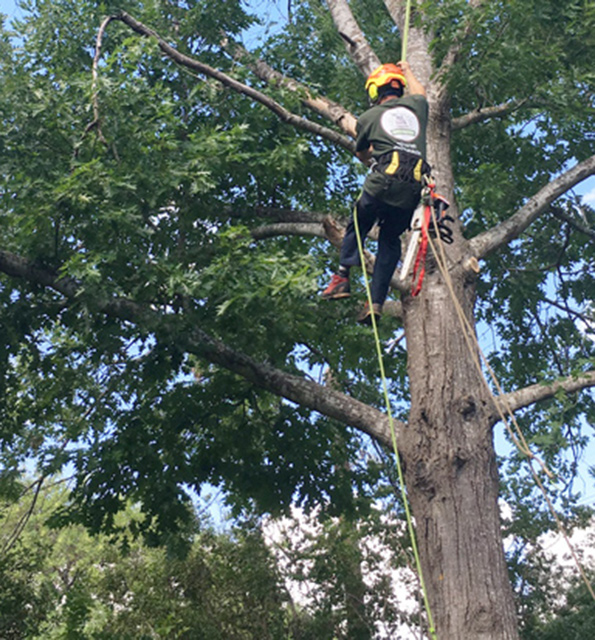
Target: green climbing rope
406	31
393	434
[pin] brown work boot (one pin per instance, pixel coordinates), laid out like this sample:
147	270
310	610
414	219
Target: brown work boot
365	315
338	288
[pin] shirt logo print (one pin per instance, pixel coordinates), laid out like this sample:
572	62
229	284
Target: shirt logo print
400	123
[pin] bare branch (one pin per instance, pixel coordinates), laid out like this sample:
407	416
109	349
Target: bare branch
96	123
481	114
288	229
488	241
24	519
329	402
536	392
355	41
571	312
571	220
330	110
281	112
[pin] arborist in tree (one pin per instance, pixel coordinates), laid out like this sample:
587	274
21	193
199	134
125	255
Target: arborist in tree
391	137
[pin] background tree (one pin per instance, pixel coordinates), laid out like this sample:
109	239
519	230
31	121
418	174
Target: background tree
163	235
65	583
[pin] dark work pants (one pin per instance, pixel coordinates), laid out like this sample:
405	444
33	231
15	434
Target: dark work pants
393	221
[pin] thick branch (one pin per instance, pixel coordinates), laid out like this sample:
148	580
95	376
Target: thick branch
330	110
281	112
505	232
327	401
355	41
536	392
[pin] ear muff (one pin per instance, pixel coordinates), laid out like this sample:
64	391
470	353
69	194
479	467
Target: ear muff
385	74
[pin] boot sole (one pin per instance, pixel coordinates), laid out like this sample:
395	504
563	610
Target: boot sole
367	320
336	296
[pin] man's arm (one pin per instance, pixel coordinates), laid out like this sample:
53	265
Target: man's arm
414	86
364	155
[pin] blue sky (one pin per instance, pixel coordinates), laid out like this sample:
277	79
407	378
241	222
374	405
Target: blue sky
9	7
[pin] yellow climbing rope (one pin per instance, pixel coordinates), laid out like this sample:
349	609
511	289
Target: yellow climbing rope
405	31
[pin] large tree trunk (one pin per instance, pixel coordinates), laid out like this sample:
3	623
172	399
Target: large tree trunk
451	472
447	448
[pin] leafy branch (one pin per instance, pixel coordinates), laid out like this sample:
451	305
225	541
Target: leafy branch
194	340
330	110
195	65
487	113
502	234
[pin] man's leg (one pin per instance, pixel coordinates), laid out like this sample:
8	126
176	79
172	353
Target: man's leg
393	222
366	207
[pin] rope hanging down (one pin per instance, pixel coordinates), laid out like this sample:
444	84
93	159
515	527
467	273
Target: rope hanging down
520	441
393	434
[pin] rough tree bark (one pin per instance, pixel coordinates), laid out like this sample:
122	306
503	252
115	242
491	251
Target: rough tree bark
447	445
451	471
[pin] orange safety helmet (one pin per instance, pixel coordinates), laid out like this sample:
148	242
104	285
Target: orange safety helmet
385	74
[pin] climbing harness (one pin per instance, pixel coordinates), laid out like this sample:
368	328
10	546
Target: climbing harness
429	218
403	166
